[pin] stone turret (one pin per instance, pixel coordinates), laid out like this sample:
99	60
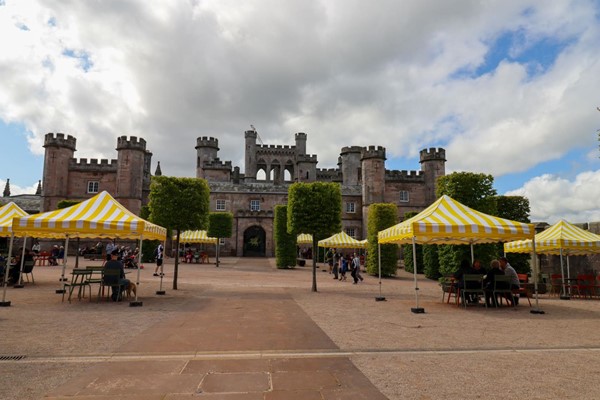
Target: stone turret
207	150
351	165
133	164
59	150
38	191
433	165
250	156
300	143
306	168
373	178
158	171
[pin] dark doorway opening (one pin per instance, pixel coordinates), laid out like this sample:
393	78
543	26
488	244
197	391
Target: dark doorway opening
255	242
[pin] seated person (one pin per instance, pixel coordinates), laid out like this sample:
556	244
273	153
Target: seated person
53	258
488	283
115	264
188	256
515	284
204	257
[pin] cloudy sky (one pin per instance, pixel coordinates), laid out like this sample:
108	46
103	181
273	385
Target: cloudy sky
508	88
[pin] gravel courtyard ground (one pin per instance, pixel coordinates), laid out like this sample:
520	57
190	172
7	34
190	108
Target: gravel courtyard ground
246	330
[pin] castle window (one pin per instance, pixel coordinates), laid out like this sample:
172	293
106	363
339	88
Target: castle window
221	241
350	208
220	205
404	196
92	187
351	232
254	205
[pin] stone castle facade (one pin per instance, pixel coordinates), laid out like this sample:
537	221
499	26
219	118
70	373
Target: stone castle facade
250	195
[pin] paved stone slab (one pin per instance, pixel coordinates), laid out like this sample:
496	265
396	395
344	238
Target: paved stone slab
236	382
294	395
304	380
206	366
312	364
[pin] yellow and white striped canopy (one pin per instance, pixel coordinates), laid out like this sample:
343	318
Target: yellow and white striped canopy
195	237
364	243
100	216
447	221
341	241
562	235
304	238
7	213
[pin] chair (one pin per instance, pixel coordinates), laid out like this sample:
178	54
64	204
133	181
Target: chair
585	285
448	286
523	289
473	284
502	288
111	278
556	284
28	270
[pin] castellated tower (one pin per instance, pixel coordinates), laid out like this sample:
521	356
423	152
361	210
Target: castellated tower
351	165
250	158
207	149
59	150
433	165
373	179
132	162
300	143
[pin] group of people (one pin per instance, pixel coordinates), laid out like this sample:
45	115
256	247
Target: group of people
340	264
500	266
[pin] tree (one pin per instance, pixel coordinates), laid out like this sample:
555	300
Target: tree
475	190
515	208
285	242
220	225
181	204
315	208
431	262
381	216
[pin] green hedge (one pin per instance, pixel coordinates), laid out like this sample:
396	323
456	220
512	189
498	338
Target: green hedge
381	216
285	242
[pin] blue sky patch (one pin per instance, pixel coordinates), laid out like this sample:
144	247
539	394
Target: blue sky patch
52	21
82	56
514	46
14	137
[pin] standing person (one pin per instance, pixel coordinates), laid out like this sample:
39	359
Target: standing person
110	246
515	284
336	264
329	259
356	268
343	267
114	263
36	248
158	255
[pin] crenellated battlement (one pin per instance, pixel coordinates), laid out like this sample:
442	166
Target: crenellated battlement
329	174
404	175
373	152
432	154
250	134
300	135
206	141
351	149
276	146
217	164
131	143
82	164
59	140
307	158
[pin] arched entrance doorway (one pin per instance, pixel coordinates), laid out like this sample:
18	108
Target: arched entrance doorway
254	242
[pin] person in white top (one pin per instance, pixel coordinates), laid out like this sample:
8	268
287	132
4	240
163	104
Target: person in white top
515	284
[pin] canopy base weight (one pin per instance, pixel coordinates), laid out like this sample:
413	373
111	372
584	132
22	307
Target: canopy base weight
19	286
136	303
63	280
60	291
537	312
380	298
161	292
417	310
4	303
565	297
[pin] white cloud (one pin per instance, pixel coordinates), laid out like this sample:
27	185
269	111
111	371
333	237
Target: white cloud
553	198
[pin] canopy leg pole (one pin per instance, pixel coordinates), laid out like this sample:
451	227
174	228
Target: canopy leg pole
569	273
5	303
417	309
136	302
160	290
563	295
64	267
536	310
380	297
19	284
472	254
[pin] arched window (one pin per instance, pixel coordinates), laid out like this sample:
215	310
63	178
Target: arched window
261	175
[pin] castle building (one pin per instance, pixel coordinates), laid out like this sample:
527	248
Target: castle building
250	196
127	178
